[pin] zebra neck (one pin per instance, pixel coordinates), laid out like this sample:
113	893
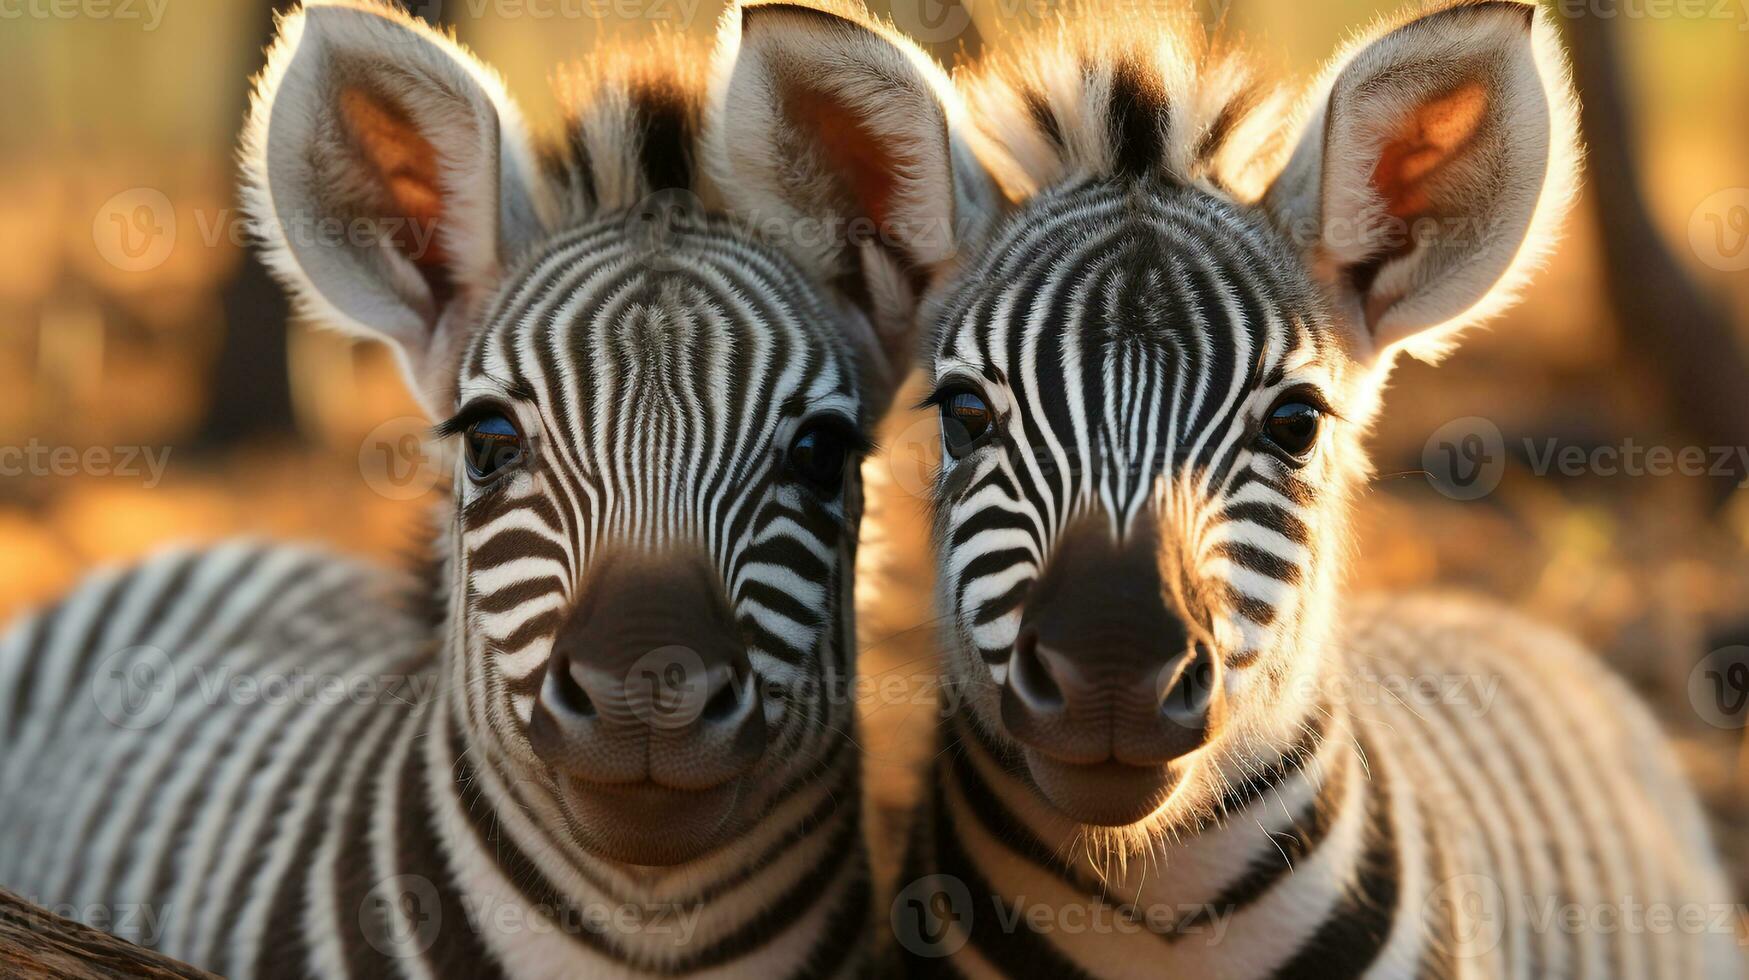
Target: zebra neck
1313	803
463	843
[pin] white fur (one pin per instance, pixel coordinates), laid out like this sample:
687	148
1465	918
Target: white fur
1067	67
1505	203
772	171
299	173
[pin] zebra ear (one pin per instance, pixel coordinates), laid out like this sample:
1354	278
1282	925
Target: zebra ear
390	179
842	140
1433	176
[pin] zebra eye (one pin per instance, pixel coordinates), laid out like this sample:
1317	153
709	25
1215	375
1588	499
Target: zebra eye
819	456
965	420
491	443
1293	425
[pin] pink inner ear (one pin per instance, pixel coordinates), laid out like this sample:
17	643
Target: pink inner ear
406	169
867	167
1427	141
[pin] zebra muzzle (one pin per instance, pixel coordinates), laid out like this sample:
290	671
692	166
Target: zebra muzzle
649	681
1105	689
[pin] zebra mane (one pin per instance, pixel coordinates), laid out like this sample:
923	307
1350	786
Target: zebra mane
634	116
1118	88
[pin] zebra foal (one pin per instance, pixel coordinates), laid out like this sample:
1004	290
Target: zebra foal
1176	748
612	737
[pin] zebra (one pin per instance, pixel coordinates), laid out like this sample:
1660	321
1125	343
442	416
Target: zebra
1175	747
605	730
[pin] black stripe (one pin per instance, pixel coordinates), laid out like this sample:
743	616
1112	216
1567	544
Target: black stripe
457	949
1280	853
1043	116
1016	953
1000	824
285	947
844	850
1137	118
1251	789
1439	939
667	116
31	651
1257	560
1358	927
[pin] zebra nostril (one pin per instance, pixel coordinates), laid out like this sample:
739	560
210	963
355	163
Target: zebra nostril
1186	698
724	703
571	695
1029	676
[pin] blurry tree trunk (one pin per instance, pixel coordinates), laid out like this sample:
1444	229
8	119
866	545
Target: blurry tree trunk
250	389
35	942
1684	337
249	392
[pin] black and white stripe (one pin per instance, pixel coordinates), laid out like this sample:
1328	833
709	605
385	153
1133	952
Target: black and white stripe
656	360
1131	322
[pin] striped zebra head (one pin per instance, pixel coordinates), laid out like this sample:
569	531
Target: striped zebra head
1155	371
659	417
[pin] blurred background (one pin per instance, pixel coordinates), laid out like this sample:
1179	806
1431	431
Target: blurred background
1585	459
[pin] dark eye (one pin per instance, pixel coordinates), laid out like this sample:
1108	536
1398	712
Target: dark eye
820	455
965	420
491	444
1293	426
